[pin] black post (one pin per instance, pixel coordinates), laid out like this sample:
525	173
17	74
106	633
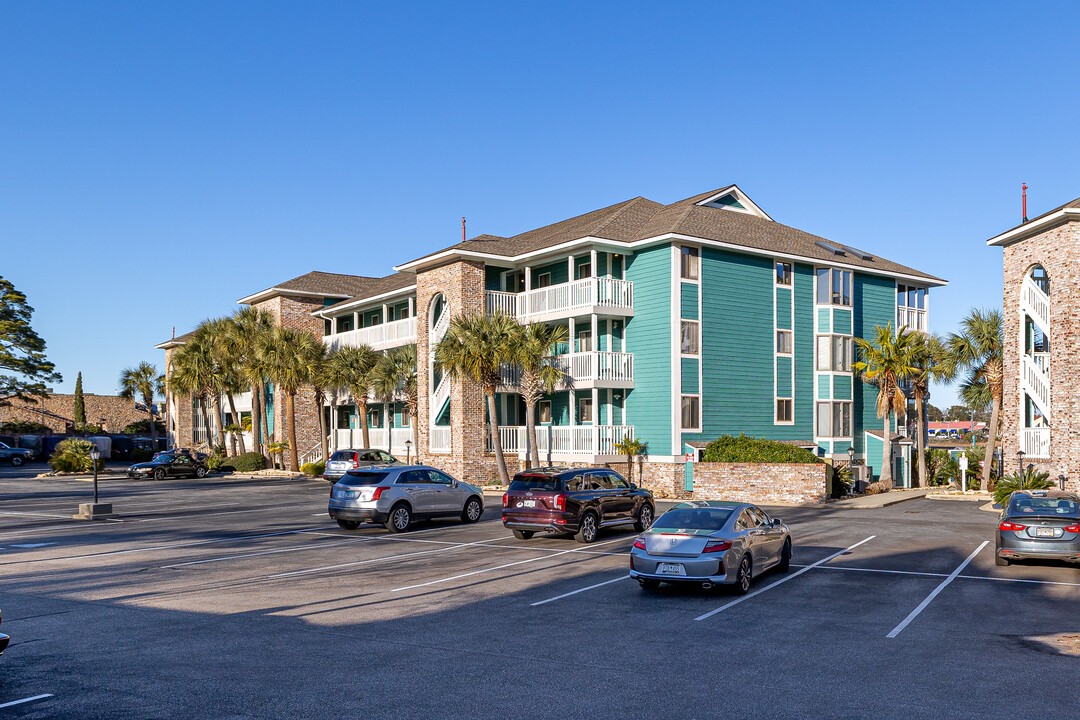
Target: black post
95	480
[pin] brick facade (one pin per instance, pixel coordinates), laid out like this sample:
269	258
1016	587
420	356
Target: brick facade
57	412
761	483
1058	251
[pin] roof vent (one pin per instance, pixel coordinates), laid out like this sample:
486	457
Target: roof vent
830	246
858	253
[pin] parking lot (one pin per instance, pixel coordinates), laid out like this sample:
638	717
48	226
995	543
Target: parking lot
228	598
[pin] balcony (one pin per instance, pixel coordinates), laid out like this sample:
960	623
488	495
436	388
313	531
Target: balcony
586	370
913	318
566	442
1035	442
602	296
377	337
392	440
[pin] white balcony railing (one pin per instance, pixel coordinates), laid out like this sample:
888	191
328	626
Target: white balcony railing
439	438
584	368
1035	302
380	439
1035	442
583	440
377	337
913	318
592	294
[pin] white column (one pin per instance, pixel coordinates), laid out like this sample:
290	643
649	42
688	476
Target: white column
333	425
355	320
528	278
570	263
571	326
412	307
385	316
592	261
595	421
595	333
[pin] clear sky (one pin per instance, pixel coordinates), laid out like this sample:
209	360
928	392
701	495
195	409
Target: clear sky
160	160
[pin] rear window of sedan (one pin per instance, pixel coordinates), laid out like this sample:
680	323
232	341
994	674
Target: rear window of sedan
363	478
694	519
536	482
1054	507
342	455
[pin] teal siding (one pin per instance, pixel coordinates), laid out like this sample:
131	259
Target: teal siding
841	387
783	309
874	302
579	261
690	376
842	322
783	377
602	263
557	270
803	287
823	324
689	301
824	392
492	277
648	405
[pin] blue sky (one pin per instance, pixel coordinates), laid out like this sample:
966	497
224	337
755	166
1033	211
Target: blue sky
161	160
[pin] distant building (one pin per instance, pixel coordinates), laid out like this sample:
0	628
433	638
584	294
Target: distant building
953	426
56	411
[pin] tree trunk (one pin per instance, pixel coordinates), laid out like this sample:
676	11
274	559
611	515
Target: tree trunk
220	425
294	456
532	451
264	401
203	402
886	453
256	419
323	441
920	443
991	445
496	441
630	469
236	421
361	409
414	405
150	414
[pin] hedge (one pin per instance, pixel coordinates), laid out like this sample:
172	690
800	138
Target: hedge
248	462
743	449
313	469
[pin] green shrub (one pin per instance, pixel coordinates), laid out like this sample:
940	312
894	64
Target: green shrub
248	462
744	449
20	427
313	469
73	455
215	462
142	427
1031	479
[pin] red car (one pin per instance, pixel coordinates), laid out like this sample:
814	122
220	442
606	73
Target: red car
574	501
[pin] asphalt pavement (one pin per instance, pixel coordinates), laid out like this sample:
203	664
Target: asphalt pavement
229	598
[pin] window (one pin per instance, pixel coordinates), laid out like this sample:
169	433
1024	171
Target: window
328	327
690	332
834	352
344	323
618	482
584	270
413	477
440	478
783	273
691	263
515	281
691	412
834	419
543	280
833	287
784	410
584	406
584	341
911	307
405	416
783	342
374	417
544	409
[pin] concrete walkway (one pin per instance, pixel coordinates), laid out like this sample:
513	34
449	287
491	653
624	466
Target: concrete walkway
882	499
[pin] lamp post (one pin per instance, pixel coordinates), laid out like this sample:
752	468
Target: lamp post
408	452
851	465
1020	460
95	455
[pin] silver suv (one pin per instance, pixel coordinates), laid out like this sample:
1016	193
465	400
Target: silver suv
397	496
344	460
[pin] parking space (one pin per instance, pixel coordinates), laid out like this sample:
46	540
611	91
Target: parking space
246	590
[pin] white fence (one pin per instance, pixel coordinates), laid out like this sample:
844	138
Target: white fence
565	439
555	299
439	438
1035	442
378	337
583	367
380	439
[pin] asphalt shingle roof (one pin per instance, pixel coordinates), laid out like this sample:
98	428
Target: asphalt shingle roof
380	286
326	283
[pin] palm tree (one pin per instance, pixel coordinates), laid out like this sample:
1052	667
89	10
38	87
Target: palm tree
539	374
474	348
630	447
248	326
927	357
289	355
194	373
227	356
396	372
978	350
885	363
318	376
353	367
143	381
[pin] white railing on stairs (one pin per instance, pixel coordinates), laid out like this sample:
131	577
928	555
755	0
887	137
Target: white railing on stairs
1036	383
1035	442
1035	303
313	454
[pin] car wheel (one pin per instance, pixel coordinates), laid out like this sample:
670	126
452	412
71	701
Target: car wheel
649	584
785	557
17	460
472	511
644	518
400	518
200	472
159	473
523	534
587	530
744	576
1001	562
347	524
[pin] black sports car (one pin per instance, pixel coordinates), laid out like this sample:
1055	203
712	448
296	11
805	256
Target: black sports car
166	465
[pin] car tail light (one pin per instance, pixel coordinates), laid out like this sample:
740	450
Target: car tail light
378	493
717	546
640	543
560	502
1073	528
504	499
1007	526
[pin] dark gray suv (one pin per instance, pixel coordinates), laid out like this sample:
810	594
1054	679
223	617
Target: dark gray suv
399	495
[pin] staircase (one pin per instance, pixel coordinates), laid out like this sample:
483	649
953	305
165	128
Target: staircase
441	393
1035	367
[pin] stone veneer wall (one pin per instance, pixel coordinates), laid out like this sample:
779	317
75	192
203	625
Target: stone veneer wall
117	411
762	483
179	407
1058	251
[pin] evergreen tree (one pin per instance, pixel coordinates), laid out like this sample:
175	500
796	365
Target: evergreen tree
22	351
79	411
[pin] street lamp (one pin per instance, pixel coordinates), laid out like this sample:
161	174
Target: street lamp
408	452
851	466
95	455
1020	460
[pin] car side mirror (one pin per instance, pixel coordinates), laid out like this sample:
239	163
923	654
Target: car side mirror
777	522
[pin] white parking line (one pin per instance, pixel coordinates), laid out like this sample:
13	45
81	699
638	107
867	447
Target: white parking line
783	579
922	606
264	552
374	560
26	700
943	575
500	567
575	592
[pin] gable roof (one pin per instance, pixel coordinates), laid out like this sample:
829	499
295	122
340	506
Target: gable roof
640	221
174	341
376	287
1050	218
317	283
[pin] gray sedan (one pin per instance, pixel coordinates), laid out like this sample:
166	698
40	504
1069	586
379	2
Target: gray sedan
397	496
710	543
1039	524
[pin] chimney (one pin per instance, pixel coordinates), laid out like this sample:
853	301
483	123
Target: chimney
1024	191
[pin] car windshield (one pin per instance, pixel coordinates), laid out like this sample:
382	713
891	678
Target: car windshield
1053	507
363	477
694	519
536	482
342	455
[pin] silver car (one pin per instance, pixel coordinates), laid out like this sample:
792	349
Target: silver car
341	461
710	543
1039	524
398	495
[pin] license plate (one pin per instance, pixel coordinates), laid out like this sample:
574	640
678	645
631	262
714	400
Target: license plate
1044	532
670	569
528	503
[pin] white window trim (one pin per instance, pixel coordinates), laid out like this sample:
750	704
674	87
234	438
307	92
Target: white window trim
696	428
697	280
819	401
776	279
776	408
788	353
696	355
540	412
543	275
830	304
776	328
